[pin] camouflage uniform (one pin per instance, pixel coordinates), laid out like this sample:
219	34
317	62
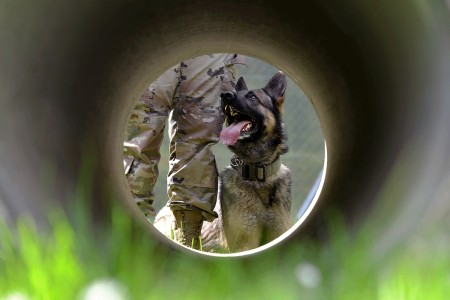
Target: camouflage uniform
189	94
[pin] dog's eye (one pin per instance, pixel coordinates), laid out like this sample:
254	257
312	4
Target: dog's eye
253	99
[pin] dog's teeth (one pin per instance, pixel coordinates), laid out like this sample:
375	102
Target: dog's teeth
246	127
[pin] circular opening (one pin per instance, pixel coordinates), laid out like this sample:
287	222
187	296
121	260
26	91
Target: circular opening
175	128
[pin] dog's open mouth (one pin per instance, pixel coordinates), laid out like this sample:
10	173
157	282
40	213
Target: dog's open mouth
240	126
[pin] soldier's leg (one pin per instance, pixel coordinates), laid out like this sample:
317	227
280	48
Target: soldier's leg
194	128
144	135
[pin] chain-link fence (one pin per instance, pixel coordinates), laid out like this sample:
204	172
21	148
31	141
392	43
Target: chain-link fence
306	145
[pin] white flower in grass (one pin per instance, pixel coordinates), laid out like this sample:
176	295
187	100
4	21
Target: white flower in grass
15	296
110	289
308	275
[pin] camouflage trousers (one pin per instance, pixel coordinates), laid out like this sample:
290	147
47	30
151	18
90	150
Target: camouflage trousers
187	96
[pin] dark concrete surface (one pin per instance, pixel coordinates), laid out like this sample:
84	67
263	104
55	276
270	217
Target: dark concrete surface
376	73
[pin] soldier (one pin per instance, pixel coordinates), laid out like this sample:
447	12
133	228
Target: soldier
188	95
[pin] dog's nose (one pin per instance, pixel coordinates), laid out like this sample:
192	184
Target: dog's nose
227	96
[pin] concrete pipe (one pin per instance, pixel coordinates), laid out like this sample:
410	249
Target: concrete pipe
374	72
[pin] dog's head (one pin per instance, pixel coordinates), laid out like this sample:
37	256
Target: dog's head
254	129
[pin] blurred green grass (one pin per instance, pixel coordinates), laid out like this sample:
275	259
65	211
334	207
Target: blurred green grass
60	263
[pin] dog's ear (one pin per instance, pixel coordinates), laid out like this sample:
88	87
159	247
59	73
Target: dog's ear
240	85
276	87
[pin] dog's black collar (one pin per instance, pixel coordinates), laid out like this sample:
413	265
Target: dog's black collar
255	171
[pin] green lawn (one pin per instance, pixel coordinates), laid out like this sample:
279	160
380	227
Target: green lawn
72	256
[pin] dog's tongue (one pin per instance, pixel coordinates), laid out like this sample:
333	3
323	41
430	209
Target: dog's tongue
230	134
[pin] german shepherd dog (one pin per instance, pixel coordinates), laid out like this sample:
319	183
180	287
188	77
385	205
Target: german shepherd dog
254	198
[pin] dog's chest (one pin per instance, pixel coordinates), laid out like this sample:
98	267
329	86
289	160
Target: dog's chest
246	202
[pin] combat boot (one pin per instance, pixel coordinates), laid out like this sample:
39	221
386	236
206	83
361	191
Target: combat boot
190	224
